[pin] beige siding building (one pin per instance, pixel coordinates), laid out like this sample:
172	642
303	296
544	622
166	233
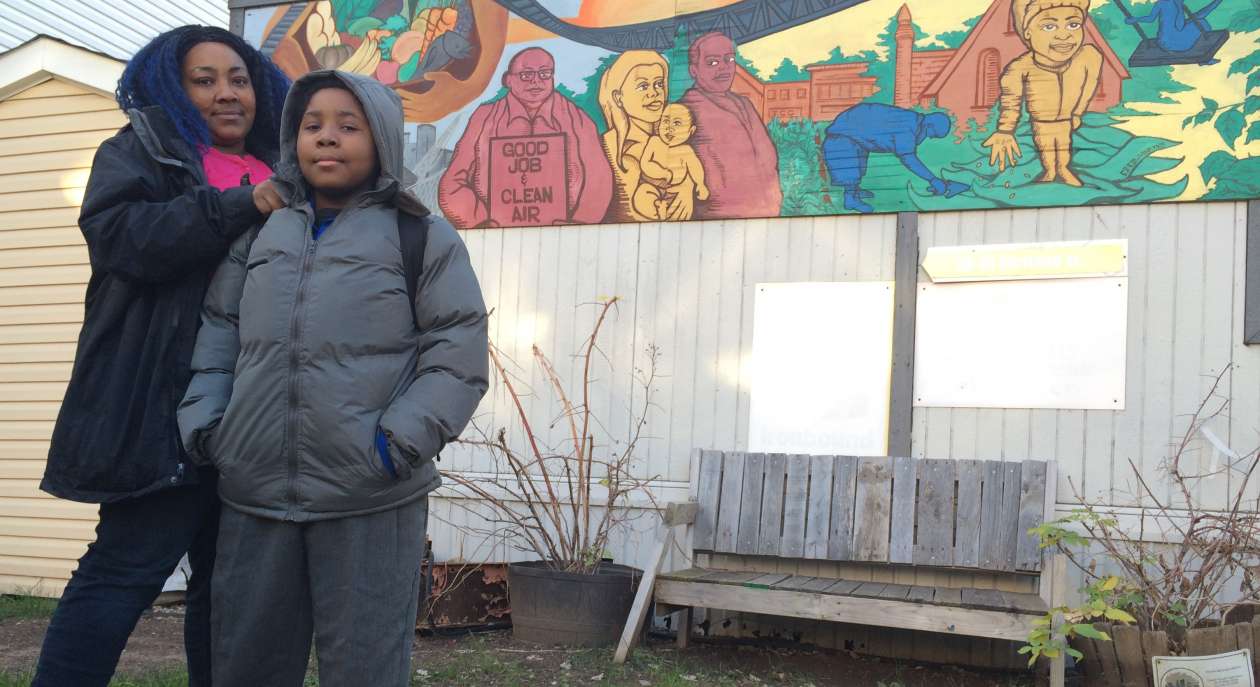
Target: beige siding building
56	107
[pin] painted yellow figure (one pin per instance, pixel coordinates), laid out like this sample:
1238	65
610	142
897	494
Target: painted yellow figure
1055	79
670	165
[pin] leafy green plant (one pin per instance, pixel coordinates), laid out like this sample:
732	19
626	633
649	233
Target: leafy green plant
1175	583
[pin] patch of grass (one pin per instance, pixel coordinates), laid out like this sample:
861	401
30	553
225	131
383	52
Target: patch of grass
476	663
14	607
173	677
169	677
9	679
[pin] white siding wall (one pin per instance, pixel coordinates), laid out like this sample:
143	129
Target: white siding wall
117	29
688	289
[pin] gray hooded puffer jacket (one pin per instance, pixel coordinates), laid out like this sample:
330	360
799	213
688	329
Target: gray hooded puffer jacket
307	347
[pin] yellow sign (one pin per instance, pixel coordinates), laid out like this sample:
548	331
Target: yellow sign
1061	260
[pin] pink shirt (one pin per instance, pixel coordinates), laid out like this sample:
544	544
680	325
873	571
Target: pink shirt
224	170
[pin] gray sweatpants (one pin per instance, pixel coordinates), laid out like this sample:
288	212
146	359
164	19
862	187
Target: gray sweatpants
352	582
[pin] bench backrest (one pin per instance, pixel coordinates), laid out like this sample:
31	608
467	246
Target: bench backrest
944	513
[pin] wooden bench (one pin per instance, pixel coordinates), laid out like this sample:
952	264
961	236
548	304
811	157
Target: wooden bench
965	515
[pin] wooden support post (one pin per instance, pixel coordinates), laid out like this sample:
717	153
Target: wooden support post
1251	324
901	405
676	515
684	627
1058	594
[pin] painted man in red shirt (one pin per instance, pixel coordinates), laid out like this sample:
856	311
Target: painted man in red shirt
531	158
741	164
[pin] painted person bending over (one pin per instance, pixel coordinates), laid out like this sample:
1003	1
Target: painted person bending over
877	128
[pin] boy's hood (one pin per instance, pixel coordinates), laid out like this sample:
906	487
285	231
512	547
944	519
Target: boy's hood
383	109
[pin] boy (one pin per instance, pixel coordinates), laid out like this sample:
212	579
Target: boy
322	396
669	165
1055	79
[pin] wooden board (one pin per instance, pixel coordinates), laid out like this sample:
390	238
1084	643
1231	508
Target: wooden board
1128	645
772	505
935	514
728	509
1154	643
803	583
748	539
840	543
1108	664
795	506
970	475
991	515
1008	528
818	517
1032	504
849	609
871	511
901	526
708	490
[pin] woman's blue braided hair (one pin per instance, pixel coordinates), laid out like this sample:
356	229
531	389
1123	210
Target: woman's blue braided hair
154	77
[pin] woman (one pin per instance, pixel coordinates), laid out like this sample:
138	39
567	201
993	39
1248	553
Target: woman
633	95
166	197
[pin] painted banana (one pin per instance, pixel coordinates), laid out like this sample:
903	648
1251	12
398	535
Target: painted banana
365	58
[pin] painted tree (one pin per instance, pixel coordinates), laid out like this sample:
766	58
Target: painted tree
788	71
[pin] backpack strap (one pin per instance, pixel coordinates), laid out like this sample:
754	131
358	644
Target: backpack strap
413	234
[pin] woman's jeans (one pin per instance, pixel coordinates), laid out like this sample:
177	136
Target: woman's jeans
139	543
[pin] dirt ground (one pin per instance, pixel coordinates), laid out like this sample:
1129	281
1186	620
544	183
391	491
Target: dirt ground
494	659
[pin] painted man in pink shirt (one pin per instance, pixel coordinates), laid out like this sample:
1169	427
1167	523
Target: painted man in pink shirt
531	158
741	164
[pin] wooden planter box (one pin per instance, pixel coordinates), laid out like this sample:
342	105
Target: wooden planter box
1125	661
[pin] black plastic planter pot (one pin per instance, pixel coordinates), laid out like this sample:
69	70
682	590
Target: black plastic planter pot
551	607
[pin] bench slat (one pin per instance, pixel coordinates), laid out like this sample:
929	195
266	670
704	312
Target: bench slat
766	581
750	504
795	503
1009	527
921	594
710	485
802	583
844	481
901	538
1032	504
991	516
870	590
970	475
772	506
895	592
936	514
982	598
727	577
728	513
818	518
842	587
871	513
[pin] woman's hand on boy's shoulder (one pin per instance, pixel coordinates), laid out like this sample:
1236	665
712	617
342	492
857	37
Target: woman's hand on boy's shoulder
267	197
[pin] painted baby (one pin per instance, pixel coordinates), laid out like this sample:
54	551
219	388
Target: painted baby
670	166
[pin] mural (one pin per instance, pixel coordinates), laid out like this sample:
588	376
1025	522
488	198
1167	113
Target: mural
540	112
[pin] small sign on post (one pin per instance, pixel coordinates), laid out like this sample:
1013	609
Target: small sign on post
528	180
1222	670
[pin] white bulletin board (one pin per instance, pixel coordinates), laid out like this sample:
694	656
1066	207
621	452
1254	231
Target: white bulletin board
1044	343
822	368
